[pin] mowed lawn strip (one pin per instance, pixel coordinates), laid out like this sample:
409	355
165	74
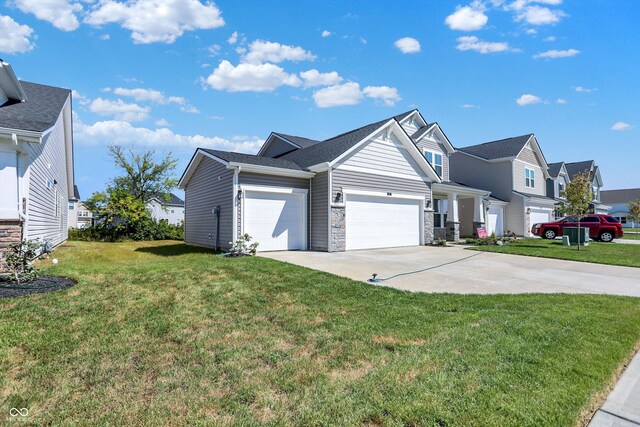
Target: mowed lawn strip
599	253
159	333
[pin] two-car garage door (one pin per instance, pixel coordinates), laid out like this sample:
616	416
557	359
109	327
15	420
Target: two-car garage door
381	222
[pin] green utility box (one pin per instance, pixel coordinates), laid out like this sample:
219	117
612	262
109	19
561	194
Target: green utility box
572	232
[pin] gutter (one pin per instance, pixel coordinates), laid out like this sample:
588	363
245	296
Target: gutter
269	170
29	135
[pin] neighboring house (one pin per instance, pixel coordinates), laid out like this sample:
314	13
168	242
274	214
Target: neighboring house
515	171
171	210
618	200
371	187
590	167
556	184
72	214
36	160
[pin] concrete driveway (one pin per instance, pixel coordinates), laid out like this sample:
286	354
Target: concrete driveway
470	272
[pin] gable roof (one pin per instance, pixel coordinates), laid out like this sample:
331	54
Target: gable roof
39	112
173	201
620	196
575	168
500	149
300	141
555	168
252	159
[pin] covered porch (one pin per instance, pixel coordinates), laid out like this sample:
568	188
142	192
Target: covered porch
458	210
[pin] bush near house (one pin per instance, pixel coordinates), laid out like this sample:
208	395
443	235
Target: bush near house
146	229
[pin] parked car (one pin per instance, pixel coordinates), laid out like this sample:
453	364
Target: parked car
601	227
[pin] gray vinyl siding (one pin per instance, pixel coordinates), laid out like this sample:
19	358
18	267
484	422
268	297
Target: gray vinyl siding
551	187
48	162
210	185
277	147
495	177
409	126
345	179
514	216
539	187
319	211
272	180
436	146
529	156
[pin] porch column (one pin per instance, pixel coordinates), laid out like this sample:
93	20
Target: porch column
478	214
453	219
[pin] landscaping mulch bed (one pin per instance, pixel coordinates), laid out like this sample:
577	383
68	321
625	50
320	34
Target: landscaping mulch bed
41	285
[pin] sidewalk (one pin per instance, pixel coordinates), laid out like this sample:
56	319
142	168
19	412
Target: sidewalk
622	407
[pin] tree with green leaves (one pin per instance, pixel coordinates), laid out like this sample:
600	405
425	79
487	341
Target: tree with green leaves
579	195
121	209
634	211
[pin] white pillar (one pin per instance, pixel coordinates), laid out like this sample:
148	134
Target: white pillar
452	207
478	209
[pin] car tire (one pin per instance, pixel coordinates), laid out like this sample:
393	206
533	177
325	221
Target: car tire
549	234
606	236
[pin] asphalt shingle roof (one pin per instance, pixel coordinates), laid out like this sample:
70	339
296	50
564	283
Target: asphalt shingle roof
300	141
417	134
39	112
509	147
578	167
620	196
554	169
253	159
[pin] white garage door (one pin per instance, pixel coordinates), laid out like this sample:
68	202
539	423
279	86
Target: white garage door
381	222
495	220
275	220
538	216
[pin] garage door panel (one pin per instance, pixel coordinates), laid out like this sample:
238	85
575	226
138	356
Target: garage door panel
538	216
379	222
275	220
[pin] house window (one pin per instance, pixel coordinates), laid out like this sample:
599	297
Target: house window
622	219
435	159
439	213
529	178
72	206
560	189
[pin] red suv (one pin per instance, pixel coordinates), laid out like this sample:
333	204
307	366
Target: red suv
601	227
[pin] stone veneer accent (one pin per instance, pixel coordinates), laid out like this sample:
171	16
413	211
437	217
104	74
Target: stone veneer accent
10	232
453	231
338	223
440	233
429	235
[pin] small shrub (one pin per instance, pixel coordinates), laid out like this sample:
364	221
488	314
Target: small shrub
146	229
483	241
19	259
440	242
241	247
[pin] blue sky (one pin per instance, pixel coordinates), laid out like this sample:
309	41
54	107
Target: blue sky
175	75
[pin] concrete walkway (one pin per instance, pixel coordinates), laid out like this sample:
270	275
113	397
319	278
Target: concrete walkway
622	407
627	241
455	270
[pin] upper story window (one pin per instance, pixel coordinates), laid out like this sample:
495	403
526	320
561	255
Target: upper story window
435	159
529	178
72	206
560	189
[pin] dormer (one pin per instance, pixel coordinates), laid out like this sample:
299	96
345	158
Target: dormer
10	88
412	122
436	148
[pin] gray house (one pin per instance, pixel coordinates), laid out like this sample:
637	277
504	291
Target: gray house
373	187
36	160
515	171
618	200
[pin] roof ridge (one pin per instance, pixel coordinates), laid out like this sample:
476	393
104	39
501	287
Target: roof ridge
497	140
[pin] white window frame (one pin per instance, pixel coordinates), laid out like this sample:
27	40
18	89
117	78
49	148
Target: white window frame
529	178
434	165
443	211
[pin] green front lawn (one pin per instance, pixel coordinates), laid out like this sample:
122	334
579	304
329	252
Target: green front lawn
162	334
631	236
600	253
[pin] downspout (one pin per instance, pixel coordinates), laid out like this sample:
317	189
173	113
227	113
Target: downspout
309	215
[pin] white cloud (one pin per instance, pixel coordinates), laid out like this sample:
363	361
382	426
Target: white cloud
119	110
583	89
467	18
483	47
14	38
233	38
189	109
537	15
214	49
250	77
313	78
150	95
326	33
152	21
532	31
408	45
261	51
121	132
528	99
561	101
553	54
59	13
105	37
388	95
550	39
469	106
620	126
163	123
79	98
338	95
